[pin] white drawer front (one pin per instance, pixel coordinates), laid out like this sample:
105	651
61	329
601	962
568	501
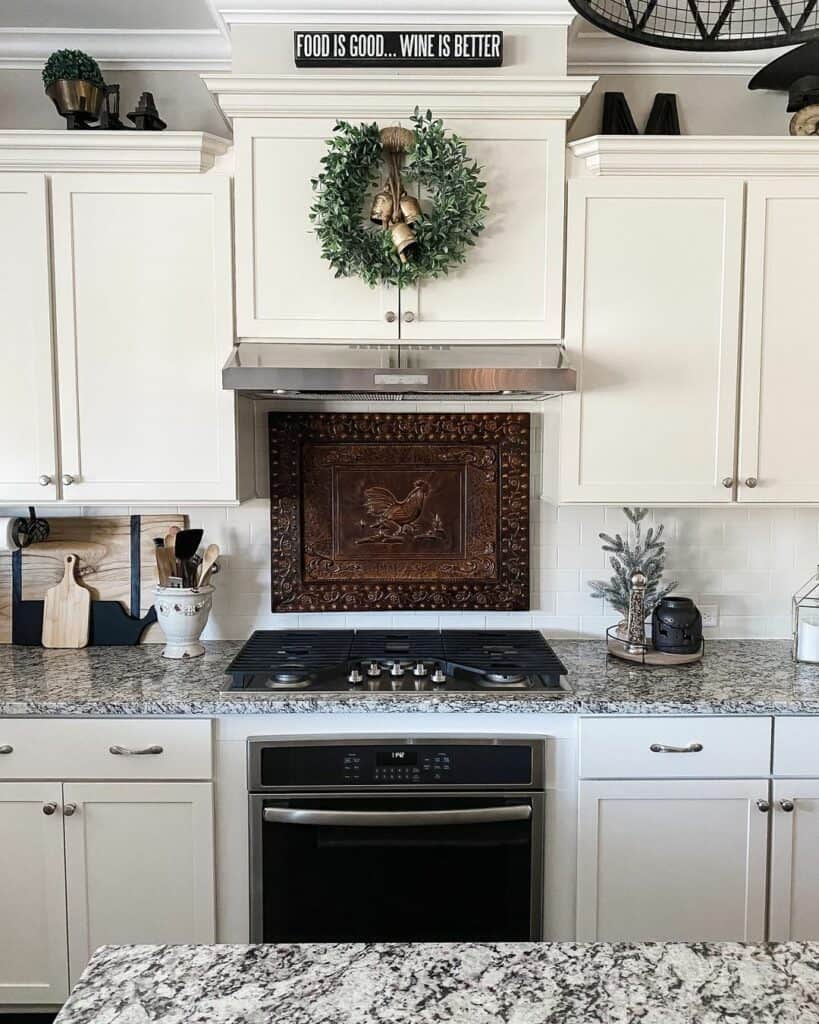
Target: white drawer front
796	746
82	749
673	748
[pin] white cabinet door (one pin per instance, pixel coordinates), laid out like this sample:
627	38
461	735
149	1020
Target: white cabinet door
139	864
33	956
511	286
284	288
780	354
671	861
27	424
652	325
795	861
142	271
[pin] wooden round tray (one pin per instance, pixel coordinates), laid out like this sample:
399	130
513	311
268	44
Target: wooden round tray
646	655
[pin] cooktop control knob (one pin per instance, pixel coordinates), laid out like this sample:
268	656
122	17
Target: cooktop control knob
420	670
373	669
355	676
438	676
397	670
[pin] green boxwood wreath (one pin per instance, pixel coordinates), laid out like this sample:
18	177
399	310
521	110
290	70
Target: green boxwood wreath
452	221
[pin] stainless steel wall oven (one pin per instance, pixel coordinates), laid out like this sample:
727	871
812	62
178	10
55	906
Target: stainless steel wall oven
405	840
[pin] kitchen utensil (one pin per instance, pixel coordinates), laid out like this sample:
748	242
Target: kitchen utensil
170	539
187	543
67	610
676	626
208	562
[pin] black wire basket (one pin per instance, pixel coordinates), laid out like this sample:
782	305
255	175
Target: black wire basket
706	24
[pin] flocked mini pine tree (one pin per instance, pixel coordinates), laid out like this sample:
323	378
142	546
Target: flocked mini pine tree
630	555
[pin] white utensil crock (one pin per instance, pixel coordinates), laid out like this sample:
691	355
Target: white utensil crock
182	614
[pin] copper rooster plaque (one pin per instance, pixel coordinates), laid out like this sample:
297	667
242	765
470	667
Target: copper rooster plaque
391	512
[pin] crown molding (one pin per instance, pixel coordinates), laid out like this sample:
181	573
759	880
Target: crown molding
390	95
592	51
52	151
390	13
119	49
741	156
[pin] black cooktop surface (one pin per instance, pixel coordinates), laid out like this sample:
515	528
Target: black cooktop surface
396	661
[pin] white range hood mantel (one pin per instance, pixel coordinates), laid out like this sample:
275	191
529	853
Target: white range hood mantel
389	94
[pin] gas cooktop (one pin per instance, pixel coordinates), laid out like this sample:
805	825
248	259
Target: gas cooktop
395	661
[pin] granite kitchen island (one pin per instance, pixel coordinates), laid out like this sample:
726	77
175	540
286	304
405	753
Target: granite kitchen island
515	983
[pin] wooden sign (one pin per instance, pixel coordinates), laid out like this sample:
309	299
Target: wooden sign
391	512
398	49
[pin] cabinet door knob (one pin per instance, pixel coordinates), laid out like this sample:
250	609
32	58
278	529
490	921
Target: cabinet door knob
45	480
68	479
763	806
69	809
389	316
786	805
409	317
6	748
49	808
727	481
751	482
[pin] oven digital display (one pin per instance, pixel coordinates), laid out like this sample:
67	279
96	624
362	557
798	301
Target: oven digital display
385	758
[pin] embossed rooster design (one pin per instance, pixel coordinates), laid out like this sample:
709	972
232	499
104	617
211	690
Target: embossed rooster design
394	520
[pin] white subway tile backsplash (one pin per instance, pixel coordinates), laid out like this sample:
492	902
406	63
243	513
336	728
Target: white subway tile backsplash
743	560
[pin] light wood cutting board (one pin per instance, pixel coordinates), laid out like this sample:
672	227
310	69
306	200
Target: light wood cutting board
103	546
67	612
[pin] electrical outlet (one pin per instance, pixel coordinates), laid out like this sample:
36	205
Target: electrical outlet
710	615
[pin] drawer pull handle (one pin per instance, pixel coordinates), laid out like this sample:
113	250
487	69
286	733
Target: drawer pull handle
763	806
6	748
128	752
664	748
787	806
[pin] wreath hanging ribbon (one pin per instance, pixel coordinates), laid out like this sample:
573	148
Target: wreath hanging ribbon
403	241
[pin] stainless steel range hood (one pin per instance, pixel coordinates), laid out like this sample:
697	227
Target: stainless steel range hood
396	372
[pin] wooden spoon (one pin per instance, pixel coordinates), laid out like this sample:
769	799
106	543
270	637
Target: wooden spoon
208	561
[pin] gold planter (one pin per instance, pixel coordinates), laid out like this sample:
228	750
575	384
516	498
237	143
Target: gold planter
76	96
404	240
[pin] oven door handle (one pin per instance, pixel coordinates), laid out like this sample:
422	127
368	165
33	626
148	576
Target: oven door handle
364	819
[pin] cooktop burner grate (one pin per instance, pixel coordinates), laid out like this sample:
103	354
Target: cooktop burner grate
504	654
272	650
389	645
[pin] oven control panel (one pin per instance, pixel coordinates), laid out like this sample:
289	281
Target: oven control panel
283	765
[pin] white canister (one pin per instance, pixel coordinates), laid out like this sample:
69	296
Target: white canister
183	614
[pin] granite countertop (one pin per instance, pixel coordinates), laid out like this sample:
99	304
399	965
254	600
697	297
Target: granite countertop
517	983
735	677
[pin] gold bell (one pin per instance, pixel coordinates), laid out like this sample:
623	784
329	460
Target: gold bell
404	240
410	209
381	211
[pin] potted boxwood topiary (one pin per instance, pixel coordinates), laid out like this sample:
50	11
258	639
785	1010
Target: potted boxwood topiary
74	83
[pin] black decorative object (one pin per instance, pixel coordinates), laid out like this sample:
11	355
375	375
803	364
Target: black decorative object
109	115
145	116
676	626
29	531
663	119
398	49
797	73
705	24
617	119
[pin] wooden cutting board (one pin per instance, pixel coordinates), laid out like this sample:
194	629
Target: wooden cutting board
67	610
104	547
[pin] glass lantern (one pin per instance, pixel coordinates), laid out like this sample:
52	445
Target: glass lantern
806	621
